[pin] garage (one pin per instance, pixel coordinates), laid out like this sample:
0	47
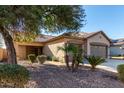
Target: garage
99	50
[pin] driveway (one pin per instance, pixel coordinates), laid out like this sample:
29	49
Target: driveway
110	64
113	63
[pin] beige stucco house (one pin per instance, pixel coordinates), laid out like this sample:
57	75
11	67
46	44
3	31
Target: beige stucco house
95	43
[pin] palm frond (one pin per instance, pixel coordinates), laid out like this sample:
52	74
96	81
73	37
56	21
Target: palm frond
95	60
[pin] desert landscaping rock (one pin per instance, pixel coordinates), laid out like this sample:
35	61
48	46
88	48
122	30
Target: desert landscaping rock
53	75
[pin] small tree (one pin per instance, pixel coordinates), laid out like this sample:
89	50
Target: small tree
66	49
35	19
77	56
76	53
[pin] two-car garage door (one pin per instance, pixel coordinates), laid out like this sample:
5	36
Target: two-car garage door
98	50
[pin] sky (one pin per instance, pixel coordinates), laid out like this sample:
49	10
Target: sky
110	19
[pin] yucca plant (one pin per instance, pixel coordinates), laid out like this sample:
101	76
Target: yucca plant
95	60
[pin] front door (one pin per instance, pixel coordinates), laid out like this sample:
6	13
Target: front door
33	50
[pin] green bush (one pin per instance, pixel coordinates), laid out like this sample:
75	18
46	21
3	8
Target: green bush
32	58
41	59
80	58
49	58
120	69
55	59
61	60
13	75
95	60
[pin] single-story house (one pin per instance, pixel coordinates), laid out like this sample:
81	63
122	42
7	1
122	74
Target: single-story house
117	47
94	43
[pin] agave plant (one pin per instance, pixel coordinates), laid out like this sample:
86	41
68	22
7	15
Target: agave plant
95	60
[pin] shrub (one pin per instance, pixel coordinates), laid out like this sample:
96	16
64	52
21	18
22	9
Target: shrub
61	60
55	58
32	58
41	59
95	60
119	55
13	75
80	58
120	69
49	58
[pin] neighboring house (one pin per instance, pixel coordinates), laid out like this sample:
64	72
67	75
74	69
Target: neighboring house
95	43
117	47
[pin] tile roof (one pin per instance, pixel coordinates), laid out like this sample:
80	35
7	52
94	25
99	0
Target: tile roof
43	38
118	41
79	34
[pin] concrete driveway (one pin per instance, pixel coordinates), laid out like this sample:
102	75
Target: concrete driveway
110	64
113	63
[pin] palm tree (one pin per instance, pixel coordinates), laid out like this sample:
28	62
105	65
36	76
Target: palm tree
77	56
76	53
66	49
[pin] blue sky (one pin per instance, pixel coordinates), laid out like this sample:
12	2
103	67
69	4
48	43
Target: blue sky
110	19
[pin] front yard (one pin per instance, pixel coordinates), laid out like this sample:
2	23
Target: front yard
55	75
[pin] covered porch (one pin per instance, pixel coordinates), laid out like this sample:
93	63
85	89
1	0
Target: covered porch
24	49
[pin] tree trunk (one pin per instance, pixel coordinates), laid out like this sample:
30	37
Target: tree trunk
73	64
93	68
66	61
11	54
76	65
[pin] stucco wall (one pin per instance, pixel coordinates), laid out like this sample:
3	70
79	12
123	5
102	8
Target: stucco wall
20	51
51	49
1	54
99	38
4	54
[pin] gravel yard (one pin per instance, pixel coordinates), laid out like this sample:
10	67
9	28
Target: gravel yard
55	75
